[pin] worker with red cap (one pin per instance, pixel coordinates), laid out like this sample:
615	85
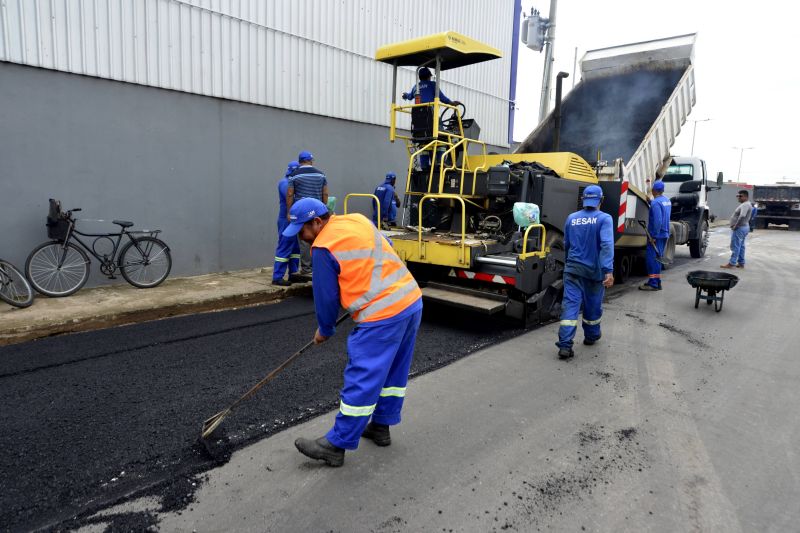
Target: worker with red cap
356	268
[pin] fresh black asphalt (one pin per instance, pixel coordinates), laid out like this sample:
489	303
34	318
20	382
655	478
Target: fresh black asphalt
91	418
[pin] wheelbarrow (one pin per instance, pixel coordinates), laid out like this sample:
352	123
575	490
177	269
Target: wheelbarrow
711	286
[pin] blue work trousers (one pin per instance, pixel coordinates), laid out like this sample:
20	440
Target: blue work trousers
653	266
391	217
738	236
287	253
580	293
375	378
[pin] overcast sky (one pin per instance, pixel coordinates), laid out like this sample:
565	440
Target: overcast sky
746	73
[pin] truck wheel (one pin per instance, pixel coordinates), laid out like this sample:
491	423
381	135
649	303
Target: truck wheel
697	247
623	264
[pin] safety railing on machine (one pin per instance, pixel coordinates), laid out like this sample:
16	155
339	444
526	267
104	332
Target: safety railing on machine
543	250
462	243
377	201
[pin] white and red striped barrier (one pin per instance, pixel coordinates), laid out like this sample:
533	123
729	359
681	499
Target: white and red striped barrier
480	276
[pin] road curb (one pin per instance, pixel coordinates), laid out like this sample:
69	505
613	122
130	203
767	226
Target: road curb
91	323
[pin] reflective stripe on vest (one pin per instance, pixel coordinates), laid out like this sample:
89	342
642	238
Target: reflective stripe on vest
383	297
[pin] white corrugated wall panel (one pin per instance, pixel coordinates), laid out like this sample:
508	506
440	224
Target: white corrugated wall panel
314	56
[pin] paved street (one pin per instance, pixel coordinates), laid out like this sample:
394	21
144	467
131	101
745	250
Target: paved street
679	419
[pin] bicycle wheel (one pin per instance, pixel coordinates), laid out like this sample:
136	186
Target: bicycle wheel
55	269
145	262
14	288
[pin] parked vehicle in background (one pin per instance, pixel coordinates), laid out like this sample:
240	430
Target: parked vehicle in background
777	204
686	184
60	267
14	288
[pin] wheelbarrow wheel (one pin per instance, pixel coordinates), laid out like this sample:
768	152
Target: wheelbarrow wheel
711	296
718	303
697	298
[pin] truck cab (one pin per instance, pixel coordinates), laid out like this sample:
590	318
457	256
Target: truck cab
686	185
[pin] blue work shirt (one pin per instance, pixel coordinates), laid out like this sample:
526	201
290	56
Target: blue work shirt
427	90
326	294
658	224
589	244
307	182
385	194
283	185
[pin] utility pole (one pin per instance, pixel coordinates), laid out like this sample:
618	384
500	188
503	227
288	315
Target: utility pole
741	154
547	75
694	131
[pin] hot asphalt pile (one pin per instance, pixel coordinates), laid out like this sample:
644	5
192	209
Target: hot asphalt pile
91	418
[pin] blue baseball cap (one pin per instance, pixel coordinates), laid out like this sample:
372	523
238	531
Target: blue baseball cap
658	186
592	196
424	72
391	176
291	166
305	155
301	212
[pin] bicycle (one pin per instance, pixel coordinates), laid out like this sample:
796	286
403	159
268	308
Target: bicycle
14	288
60	267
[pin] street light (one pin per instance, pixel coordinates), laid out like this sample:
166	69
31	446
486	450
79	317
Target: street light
741	153
694	131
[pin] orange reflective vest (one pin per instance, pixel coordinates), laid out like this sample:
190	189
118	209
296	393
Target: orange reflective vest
374	284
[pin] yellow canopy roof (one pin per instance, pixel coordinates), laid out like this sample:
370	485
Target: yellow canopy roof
455	50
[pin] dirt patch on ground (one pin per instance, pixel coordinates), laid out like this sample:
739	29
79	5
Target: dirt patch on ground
690	337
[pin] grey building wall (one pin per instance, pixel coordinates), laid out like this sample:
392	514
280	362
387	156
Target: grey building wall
202	169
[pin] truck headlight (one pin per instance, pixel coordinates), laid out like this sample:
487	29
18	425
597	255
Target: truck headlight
795	206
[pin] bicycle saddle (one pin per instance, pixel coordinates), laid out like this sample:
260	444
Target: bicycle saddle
123	223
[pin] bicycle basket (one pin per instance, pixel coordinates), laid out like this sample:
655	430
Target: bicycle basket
57	225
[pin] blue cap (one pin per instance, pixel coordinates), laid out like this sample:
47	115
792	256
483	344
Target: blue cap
592	196
301	212
290	168
658	186
305	155
391	176
424	72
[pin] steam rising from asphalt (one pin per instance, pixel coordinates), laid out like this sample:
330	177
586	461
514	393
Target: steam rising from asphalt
611	114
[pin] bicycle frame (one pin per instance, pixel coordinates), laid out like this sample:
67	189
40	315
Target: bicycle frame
108	263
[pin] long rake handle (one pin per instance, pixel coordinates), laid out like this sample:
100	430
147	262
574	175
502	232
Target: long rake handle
247	395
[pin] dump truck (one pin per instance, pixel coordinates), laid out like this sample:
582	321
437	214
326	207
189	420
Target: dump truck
777	204
482	230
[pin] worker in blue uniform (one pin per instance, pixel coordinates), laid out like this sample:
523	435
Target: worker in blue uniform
287	253
389	202
356	268
658	227
424	92
589	247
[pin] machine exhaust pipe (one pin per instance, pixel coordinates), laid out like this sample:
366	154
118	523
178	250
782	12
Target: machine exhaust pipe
557	128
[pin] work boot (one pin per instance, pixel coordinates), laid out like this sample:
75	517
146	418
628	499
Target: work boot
377	433
648	287
739	266
321	449
727	265
297	278
281	282
565	353
589	342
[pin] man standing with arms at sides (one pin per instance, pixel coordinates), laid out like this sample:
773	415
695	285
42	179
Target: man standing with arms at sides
356	268
589	247
306	182
658	227
287	253
740	227
387	196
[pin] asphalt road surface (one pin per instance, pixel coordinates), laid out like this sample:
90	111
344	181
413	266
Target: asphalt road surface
679	419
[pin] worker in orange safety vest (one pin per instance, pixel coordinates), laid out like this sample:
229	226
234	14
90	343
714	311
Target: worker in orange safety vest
356	268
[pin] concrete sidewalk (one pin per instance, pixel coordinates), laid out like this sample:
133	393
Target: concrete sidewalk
103	307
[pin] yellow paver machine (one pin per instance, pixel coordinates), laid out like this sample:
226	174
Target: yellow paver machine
484	230
471	229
